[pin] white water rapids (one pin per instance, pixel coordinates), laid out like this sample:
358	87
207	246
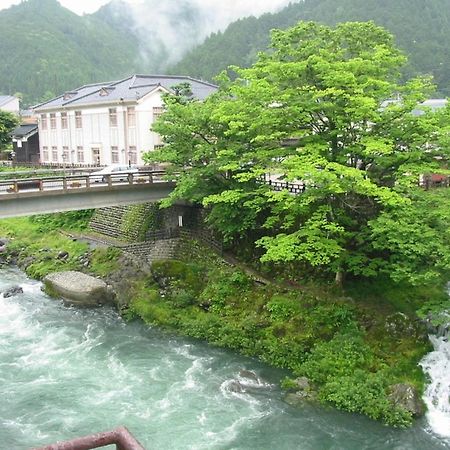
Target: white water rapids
437	395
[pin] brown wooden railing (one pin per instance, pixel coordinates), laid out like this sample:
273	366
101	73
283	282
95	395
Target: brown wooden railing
121	437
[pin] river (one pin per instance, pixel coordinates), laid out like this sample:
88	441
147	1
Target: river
66	372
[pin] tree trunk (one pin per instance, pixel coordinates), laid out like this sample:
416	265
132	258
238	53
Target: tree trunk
339	278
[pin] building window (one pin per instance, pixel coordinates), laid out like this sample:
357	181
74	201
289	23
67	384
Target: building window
65	154
45	153
114	155
157	112
52	121
80	155
44	121
96	156
64	121
132	155
55	154
131	114
78	120
112	117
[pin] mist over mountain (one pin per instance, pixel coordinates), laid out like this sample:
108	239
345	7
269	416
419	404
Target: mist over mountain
419	26
167	30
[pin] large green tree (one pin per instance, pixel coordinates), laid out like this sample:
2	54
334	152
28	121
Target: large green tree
8	121
315	111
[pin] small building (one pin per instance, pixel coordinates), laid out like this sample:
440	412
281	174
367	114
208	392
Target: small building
108	123
10	104
25	139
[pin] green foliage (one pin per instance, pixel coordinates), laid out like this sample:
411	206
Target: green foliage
71	220
365	393
337	358
41	247
105	260
132	226
189	275
282	308
8	121
324	338
154	218
362	212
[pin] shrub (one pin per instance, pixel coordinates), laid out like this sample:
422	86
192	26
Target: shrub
365	393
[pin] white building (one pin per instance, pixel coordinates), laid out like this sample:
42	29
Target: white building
9	103
107	123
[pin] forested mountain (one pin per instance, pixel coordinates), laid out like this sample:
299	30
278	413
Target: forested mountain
420	27
46	49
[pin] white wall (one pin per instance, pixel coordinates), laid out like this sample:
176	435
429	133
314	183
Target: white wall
96	131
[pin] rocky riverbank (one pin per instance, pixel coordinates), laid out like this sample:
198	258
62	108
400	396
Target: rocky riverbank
357	356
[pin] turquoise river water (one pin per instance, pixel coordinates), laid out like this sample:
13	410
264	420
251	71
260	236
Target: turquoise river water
66	372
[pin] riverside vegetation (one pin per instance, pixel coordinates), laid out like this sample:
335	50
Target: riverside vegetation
351	348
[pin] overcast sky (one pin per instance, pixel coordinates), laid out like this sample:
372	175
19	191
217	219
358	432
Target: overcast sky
239	7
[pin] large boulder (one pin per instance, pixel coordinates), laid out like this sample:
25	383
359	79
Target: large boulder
399	325
78	288
406	396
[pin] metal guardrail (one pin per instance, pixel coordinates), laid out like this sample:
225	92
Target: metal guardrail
38	172
82	181
58	165
121	437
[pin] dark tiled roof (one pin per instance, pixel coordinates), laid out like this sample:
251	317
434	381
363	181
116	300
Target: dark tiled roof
24	130
129	89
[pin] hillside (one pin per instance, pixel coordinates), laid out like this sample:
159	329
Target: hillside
46	49
420	27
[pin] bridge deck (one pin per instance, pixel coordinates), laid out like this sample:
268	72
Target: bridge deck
28	196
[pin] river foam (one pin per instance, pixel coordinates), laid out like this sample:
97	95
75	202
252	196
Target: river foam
66	372
437	396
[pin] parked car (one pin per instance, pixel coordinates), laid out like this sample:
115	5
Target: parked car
117	173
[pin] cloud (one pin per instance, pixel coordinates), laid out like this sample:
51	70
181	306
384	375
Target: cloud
167	29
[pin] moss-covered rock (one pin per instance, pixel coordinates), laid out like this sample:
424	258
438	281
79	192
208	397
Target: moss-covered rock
78	288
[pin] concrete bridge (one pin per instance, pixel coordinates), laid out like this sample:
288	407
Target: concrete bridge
52	194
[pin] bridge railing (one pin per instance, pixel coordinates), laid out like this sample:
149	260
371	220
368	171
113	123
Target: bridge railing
80	181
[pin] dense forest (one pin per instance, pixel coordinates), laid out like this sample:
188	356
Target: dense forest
46	49
420	27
